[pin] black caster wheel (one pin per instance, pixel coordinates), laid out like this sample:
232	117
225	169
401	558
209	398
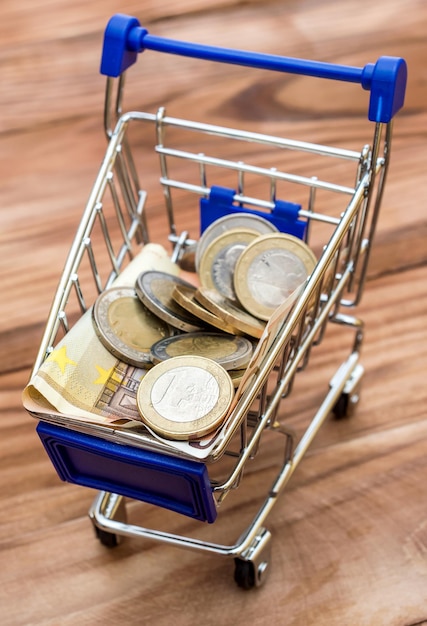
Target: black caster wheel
347	402
346	405
252	571
110	540
244	573
341	408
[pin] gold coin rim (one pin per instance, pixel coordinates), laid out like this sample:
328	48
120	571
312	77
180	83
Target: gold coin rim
146	294
197	309
243	323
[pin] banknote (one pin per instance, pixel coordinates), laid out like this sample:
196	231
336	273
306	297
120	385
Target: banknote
81	378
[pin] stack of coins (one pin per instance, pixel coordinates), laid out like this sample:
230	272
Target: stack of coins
251	266
193	359
195	342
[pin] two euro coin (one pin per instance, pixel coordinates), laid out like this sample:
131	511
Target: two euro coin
126	327
229	351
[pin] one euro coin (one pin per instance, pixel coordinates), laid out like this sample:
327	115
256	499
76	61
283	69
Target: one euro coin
185	398
269	270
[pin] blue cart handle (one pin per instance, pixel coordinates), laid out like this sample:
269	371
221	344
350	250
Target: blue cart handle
386	79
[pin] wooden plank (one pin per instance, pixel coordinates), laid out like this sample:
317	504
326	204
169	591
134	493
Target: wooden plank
348	533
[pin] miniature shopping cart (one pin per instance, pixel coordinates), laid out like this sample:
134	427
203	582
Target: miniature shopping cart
208	171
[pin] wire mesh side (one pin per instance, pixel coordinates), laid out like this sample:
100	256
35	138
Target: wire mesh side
111	230
115	222
290	352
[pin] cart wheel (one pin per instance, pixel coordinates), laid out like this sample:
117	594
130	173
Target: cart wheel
340	409
346	405
107	539
350	396
252	568
244	573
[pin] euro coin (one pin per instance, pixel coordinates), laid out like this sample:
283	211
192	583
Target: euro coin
154	289
126	327
269	270
185	398
246	221
229	312
218	262
228	350
186	297
236	376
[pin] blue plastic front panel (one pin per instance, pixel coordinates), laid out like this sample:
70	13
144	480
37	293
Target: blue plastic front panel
177	484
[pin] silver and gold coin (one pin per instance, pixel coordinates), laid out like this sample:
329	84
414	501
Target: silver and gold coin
269	270
229	312
185	398
219	260
154	289
246	221
186	297
126	327
228	350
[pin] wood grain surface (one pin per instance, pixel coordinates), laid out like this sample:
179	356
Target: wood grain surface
350	531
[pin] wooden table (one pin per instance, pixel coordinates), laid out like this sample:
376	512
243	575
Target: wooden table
350	534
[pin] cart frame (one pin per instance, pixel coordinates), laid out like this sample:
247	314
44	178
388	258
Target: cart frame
336	283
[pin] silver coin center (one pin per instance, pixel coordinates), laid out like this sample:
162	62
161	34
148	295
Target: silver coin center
223	268
274	275
185	394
